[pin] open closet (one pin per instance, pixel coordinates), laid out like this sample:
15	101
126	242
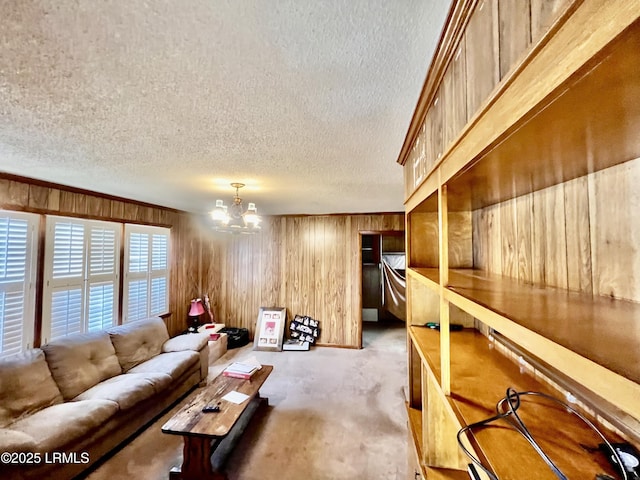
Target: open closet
383	277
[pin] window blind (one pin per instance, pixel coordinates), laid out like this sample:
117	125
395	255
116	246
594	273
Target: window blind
146	272
17	274
81	276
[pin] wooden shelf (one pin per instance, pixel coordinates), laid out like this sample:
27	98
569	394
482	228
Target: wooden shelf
415	428
427	276
446	474
428	350
480	376
591	339
589	119
602	329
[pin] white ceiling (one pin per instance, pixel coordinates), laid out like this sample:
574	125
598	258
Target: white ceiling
167	102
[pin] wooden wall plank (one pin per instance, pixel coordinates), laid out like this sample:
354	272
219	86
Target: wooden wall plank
38	197
543	14
509	238
614	203
321	256
437	125
454	97
481	50
66	202
429	145
424	225
13	193
555	237
352	264
524	241
117	209
332	291
494	239
579	275
81	204
480	239
515	32
460	240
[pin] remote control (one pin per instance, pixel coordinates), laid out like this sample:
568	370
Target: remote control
211	409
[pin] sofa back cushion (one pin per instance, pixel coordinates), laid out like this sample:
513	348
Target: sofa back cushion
78	362
26	386
137	342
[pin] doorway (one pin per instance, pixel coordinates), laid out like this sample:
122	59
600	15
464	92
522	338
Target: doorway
381	316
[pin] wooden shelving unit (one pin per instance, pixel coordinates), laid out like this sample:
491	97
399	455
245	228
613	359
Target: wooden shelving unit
474	398
522	219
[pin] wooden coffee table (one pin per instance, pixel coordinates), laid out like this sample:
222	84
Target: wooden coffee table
209	437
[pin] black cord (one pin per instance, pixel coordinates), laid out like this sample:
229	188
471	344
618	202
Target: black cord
512	399
519	425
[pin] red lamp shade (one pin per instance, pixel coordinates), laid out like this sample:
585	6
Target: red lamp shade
196	308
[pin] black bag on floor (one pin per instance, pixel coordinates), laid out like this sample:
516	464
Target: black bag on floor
236	337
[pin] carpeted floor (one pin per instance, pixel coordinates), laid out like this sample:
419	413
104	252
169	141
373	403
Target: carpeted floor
333	414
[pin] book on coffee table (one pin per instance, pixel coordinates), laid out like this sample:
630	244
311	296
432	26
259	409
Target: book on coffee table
242	369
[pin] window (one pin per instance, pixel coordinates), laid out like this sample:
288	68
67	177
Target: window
81	276
146	282
18	242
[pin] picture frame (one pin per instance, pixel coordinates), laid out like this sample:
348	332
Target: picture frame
304	328
270	329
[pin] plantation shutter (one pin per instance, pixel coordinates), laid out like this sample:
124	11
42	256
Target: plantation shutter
81	276
17	251
159	274
146	272
67	278
102	278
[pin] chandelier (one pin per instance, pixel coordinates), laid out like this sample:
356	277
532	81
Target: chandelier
235	219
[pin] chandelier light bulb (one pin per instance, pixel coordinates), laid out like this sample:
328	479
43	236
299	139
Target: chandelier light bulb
219	213
251	216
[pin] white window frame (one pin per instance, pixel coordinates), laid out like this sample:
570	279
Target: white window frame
146	270
88	266
24	287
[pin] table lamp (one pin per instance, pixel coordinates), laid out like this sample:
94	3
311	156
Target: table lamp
195	311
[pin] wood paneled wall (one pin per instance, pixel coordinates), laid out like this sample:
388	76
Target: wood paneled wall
308	264
581	235
37	197
424	227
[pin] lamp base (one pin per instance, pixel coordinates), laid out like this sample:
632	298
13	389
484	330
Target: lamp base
194	323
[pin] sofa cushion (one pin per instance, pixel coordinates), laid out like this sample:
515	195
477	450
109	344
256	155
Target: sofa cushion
79	362
137	342
15	441
189	341
173	364
61	425
26	386
128	389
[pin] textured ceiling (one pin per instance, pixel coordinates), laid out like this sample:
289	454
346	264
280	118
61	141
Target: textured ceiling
167	102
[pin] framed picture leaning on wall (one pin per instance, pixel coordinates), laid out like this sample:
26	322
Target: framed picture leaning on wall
270	329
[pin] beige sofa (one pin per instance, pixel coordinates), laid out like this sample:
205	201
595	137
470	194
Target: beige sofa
65	405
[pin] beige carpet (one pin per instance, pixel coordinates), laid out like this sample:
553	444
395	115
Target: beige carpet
333	414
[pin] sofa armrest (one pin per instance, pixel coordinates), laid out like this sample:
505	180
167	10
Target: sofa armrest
16	441
188	341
